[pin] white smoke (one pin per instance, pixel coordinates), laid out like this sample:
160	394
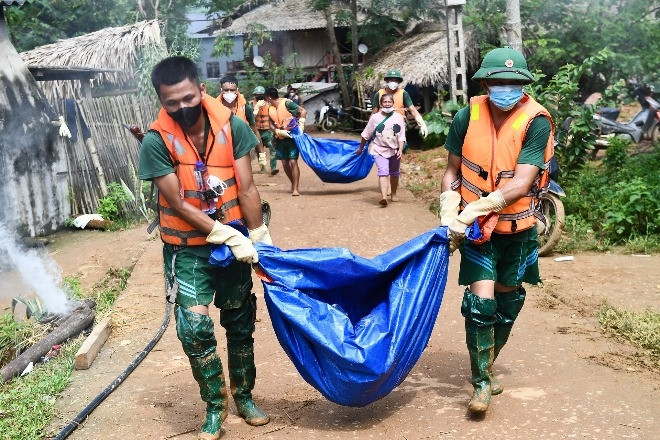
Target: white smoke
38	271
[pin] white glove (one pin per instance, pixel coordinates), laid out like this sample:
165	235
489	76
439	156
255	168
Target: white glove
449	203
301	125
258	105
282	133
239	244
64	130
423	129
493	203
261	159
261	234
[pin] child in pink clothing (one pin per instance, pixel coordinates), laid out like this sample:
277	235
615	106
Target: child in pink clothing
387	131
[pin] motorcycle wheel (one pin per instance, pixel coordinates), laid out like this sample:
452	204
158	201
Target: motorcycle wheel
329	123
549	234
655	133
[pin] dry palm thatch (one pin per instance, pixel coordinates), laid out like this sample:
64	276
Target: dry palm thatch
111	48
420	55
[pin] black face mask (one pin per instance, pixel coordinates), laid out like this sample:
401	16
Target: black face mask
187	116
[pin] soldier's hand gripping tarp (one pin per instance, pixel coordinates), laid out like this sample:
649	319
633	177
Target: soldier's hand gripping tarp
334	160
355	327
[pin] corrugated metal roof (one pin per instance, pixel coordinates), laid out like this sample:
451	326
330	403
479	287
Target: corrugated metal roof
12	2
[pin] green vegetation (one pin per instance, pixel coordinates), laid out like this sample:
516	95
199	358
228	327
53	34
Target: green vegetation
108	289
27	403
110	205
641	329
616	202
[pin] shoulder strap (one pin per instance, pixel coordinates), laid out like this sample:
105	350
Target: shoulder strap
380	126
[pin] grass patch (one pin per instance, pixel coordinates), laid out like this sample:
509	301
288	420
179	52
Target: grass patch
27	404
109	288
641	329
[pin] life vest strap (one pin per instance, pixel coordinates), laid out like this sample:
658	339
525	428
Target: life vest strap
184	236
473	188
476	168
210	193
508	174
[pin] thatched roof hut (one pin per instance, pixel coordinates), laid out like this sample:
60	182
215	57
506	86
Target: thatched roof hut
420	55
115	50
280	16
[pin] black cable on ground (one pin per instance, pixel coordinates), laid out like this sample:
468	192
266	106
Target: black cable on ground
68	429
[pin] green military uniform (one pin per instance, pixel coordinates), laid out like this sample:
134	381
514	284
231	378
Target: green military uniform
286	148
199	283
509	259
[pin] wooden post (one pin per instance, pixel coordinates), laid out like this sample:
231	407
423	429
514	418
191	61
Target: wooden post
456	50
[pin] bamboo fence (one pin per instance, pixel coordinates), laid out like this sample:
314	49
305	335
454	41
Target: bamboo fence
111	153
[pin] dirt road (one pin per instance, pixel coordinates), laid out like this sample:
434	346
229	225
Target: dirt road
562	378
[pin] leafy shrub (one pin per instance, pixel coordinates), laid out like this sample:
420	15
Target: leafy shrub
619	200
438	123
110	205
576	129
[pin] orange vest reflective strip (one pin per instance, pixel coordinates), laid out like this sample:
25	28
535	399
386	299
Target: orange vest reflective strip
184	155
262	118
398	100
280	115
489	159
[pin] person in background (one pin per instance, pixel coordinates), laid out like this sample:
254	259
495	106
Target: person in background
262	120
285	115
402	101
235	101
500	148
387	132
194	129
294	95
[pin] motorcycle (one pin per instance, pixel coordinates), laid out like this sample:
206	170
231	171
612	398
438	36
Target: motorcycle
648	117
644	124
329	117
550	213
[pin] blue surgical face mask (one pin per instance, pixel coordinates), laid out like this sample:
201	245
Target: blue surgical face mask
505	97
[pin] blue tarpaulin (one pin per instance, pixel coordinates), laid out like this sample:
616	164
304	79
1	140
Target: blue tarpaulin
355	327
334	160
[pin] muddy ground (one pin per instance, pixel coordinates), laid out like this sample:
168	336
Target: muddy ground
563	378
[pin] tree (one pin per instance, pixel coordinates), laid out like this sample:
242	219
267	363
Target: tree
42	22
568	31
513	28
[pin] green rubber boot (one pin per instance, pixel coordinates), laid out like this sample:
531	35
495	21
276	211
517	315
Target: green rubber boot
195	331
479	316
242	375
509	306
239	324
208	374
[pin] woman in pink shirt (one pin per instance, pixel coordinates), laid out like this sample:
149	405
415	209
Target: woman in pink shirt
387	132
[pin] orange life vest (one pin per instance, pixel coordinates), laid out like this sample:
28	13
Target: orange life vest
262	117
490	158
280	115
219	162
239	109
398	100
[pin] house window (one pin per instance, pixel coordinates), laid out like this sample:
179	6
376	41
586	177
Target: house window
213	69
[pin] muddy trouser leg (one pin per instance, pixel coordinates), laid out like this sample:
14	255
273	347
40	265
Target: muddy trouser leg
195	331
273	157
479	316
509	305
239	326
